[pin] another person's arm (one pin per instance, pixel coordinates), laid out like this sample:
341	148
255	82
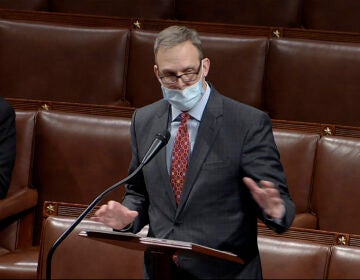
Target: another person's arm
7	146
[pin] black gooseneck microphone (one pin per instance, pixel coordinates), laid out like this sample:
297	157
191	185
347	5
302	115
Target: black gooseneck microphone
160	141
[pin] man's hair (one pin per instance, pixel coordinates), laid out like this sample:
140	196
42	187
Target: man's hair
175	35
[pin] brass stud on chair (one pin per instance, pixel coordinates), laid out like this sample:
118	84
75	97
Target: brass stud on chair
50	209
137	24
341	240
276	33
327	131
45	107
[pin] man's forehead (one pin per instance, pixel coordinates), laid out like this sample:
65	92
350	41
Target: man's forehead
184	50
178	57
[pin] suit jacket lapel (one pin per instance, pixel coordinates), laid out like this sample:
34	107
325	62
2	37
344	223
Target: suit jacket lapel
208	129
163	120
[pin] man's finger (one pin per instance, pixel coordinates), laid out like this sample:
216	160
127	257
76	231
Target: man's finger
251	184
267	184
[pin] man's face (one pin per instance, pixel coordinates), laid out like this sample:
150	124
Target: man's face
178	60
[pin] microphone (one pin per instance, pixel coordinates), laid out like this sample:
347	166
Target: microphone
160	141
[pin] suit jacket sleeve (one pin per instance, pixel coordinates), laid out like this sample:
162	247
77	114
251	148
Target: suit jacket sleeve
261	161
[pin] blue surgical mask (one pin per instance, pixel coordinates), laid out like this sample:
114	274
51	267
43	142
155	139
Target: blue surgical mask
185	99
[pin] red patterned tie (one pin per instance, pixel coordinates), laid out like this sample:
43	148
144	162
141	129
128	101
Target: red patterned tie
180	157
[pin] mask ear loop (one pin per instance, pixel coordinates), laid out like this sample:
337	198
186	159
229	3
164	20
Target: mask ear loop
202	68
202	73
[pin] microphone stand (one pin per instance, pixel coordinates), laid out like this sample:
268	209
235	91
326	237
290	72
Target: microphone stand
82	216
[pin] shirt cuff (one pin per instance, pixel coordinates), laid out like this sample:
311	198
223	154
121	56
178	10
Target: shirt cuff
127	228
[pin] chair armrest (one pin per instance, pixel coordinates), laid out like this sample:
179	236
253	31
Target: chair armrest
17	202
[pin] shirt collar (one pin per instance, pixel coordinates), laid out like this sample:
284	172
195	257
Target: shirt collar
197	111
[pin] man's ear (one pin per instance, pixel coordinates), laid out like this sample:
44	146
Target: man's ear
206	66
156	71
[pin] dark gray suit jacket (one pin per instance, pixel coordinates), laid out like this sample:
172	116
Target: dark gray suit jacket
216	209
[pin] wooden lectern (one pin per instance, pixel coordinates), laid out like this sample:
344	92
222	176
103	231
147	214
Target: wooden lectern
161	249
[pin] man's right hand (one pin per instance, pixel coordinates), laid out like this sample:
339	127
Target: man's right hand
114	215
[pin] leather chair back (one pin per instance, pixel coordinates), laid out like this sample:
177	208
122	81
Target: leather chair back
237	66
150	9
335	193
142	87
313	81
35	5
246	12
344	263
284	258
45	61
332	15
297	154
78	157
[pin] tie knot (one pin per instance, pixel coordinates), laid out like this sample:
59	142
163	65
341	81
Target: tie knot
184	117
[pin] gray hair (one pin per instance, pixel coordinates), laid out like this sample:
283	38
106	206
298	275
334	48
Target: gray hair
175	35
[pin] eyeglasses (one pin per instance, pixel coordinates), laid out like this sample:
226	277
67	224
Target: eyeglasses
186	77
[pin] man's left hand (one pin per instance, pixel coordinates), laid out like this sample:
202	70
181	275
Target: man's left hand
267	197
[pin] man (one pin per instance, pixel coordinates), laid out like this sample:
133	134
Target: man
7	145
233	175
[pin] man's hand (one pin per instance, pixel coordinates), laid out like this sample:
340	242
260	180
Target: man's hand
115	215
267	197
